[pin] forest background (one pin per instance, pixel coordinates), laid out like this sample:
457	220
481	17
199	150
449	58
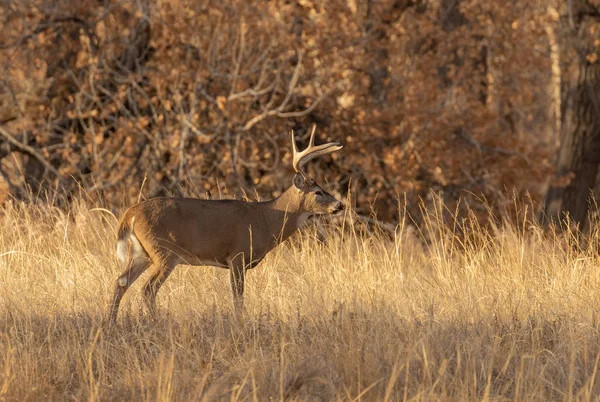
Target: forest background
468	98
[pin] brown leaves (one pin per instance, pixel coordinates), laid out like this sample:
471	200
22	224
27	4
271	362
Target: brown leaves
214	89
221	102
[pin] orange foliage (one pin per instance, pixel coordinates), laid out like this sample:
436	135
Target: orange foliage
449	96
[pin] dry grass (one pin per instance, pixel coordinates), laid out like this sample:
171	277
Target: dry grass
510	315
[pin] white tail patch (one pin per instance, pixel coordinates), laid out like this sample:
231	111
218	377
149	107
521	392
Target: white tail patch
122	250
136	246
137	250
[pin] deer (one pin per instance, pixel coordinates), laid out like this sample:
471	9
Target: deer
161	233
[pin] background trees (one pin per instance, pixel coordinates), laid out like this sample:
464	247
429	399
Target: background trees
462	97
578	156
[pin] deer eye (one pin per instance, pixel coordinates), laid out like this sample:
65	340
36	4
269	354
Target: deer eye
319	193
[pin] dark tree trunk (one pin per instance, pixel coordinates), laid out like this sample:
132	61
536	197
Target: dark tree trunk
579	153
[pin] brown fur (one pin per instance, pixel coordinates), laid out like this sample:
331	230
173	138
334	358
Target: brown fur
224	233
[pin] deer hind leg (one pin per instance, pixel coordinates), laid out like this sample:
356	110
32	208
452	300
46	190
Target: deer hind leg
135	267
151	288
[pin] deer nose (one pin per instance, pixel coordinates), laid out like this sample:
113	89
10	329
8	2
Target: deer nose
338	207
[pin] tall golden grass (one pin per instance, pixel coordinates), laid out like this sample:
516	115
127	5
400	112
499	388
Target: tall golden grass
443	313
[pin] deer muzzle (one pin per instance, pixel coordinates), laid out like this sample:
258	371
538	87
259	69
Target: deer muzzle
337	208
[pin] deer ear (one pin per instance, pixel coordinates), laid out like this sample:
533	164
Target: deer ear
299	181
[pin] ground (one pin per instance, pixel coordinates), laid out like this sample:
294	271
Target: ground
507	312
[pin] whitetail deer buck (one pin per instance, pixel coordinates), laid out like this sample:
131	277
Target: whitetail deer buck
165	232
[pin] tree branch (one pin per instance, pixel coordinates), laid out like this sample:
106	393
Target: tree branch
31	151
481	147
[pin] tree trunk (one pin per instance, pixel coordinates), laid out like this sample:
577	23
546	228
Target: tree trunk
579	152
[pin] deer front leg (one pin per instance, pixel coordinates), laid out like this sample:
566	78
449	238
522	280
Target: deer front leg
237	272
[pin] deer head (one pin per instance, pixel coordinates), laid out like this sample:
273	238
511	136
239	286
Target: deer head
314	199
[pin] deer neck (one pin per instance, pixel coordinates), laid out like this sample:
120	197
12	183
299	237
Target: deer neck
285	214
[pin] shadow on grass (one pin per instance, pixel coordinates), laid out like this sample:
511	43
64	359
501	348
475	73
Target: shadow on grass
342	353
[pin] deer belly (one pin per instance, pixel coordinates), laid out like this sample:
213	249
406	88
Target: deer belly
214	263
205	262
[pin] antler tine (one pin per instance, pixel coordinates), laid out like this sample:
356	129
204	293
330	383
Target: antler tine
311	142
302	158
294	149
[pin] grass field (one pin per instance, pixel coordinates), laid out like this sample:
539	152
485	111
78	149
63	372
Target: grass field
510	314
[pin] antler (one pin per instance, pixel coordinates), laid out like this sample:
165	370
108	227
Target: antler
311	152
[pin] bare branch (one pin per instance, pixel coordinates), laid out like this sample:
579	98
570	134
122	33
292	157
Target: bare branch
481	147
285	115
258	118
50	23
31	151
307	110
253	91
238	60
293	83
126	173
